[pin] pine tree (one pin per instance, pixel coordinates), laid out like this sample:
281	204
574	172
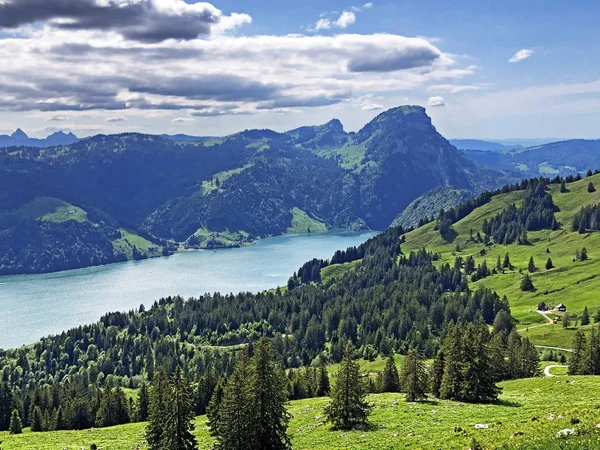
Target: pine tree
506	264
348	406
566	321
549	264
531	265
36	420
59	422
179	416
324	386
142	405
159	395
390	379
591	187
230	419
437	373
268	396
563	187
577	361
597	316
6	403
16	427
585	317
414	376
213	409
527	284
583	255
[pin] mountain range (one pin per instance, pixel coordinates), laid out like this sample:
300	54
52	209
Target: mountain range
136	195
20	138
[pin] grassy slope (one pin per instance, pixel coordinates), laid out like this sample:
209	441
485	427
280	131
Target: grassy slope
303	223
51	209
574	283
525	407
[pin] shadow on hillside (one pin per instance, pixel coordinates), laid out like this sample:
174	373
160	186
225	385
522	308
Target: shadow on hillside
509	403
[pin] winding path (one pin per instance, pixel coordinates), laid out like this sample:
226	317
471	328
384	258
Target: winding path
548	368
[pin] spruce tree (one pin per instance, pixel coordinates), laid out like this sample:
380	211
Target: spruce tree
390	379
583	256
563	187
16	427
324	385
531	265
159	396
268	397
549	264
213	409
506	264
437	373
597	316
585	317
527	284
142	405
36	420
577	361
179	415
591	187
414	376
230	418
566	321
348	406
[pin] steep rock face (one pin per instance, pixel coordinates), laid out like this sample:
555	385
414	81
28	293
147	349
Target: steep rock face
406	157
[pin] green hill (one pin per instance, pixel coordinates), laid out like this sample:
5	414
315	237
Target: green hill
528	415
574	283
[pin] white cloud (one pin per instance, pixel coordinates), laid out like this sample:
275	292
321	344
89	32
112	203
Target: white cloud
182	120
457	88
323	24
345	20
368	5
116	119
58	119
435	102
521	55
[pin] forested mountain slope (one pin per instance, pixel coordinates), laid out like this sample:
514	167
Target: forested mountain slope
555	243
229	191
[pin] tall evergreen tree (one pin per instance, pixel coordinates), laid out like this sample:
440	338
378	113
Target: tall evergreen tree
531	265
142	405
37	420
179	417
230	419
268	396
527	284
348	406
577	361
16	426
324	385
437	373
6	403
414	376
585	317
159	396
390	378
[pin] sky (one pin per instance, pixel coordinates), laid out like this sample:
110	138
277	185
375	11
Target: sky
488	70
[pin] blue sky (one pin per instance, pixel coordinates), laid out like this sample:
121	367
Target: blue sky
212	69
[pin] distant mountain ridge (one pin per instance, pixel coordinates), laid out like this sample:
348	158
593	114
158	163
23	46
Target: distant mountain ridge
556	158
477	144
20	138
238	188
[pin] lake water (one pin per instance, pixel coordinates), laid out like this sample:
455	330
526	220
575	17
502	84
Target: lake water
34	306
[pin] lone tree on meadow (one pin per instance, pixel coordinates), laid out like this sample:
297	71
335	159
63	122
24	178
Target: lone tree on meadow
414	376
527	284
549	264
591	187
531	265
390	377
585	317
348	406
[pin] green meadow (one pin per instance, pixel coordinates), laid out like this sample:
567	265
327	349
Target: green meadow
528	415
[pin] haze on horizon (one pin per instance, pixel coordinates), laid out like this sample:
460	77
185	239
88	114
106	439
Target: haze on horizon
500	71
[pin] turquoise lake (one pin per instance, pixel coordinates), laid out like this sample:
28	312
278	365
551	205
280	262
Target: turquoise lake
34	306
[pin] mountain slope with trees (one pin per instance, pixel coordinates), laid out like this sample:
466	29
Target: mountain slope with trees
541	251
232	190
